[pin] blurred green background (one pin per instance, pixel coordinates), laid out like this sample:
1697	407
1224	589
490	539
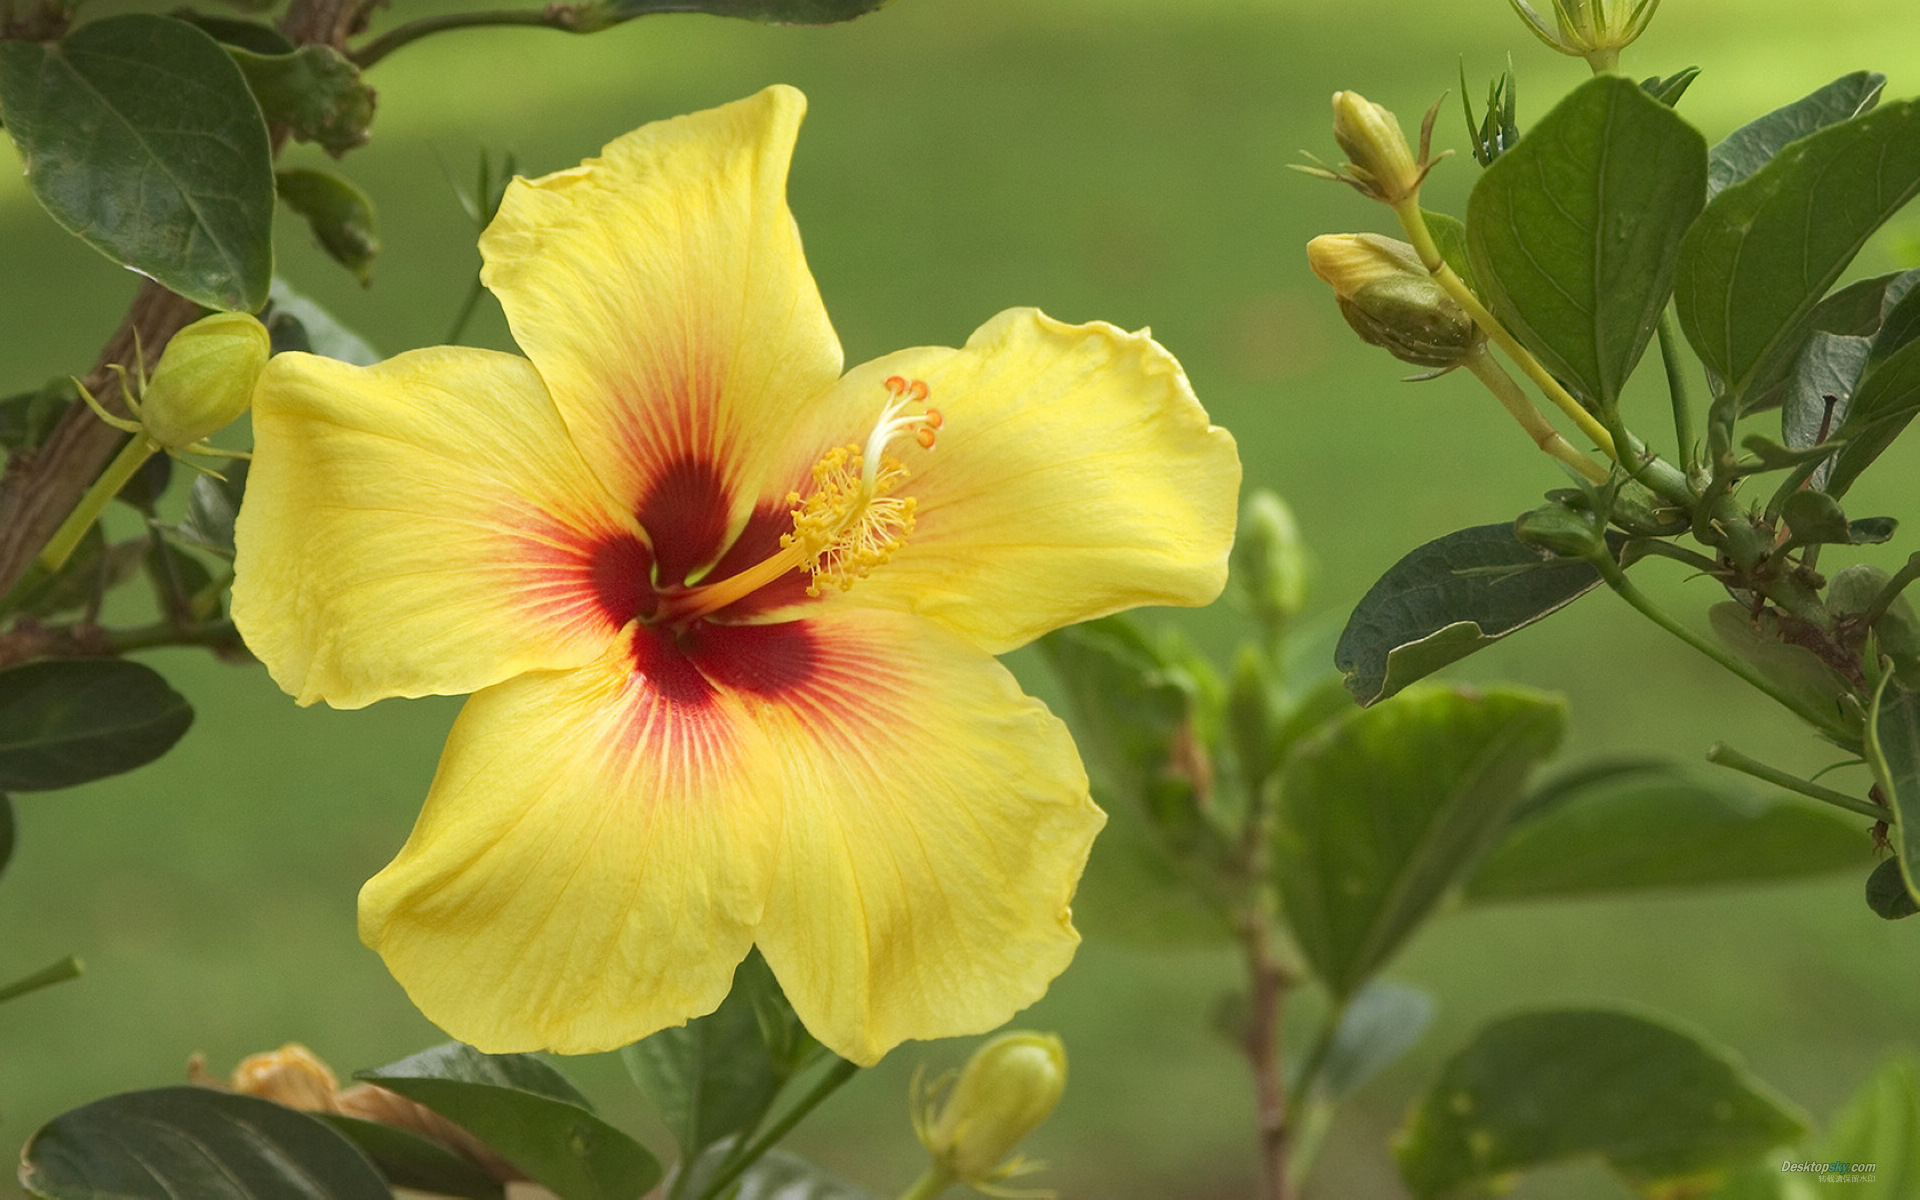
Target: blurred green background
1116	159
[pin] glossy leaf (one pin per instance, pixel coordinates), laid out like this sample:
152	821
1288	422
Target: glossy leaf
1447	599
1887	893
140	137
1881	407
408	1160
1835	340
776	1175
530	1115
1754	144
1382	1023
201	1142
717	1075
1880	1124
313	92
297	323
1136	720
774	12
339	214
67	721
1385	812
1766	249
1573	231
1658	826
1893	752
1657	1105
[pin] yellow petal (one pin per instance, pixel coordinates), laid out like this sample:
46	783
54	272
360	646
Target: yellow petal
591	861
937	822
423	526
1074	475
661	291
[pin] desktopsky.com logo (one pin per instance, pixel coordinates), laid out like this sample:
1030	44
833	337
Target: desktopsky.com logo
1835	1172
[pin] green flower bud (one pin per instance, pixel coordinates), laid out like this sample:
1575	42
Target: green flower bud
971	1126
1269	563
1391	300
1567	533
205	379
1595	30
1380	164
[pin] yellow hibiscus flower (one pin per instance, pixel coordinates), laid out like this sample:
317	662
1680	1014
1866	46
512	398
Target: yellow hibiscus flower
728	614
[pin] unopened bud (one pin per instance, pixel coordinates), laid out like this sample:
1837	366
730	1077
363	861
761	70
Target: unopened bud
1595	30
205	378
292	1075
1391	300
1005	1091
1561	530
1269	563
1374	143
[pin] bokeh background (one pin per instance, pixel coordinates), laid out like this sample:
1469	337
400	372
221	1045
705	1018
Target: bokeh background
1116	159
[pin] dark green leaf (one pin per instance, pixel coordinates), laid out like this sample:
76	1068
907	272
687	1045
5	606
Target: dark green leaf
1669	90
1380	1024
1380	816
1880	409
68	721
1834	340
1793	668
715	1076
1447	599
775	12
1887	893
530	1115
339	213
142	492
1766	249
777	1175
1573	231
1770	455
182	585
314	92
1893	751
1754	144
1815	518
408	1160
7	831
297	323
256	36
1656	1104
1900	324
1871	531
177	1142
1881	1125
28	417
93	570
212	505
1498	128
1450	235
1659	826
139	135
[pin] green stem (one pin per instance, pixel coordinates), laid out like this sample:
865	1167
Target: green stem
1683	430
1544	435
1891	591
1313	1127
1618	581
1721	754
929	1186
553	16
465	314
67	968
829	1083
131	458
166	633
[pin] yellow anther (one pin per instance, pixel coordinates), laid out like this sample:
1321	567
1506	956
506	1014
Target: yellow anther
849	524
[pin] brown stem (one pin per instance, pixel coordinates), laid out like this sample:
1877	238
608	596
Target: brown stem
1270	981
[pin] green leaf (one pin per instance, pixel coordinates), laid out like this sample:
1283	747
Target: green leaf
1447	599
1835	339
773	12
1766	249
26	418
1880	409
408	1160
314	92
339	213
530	1115
1573	232
256	36
297	323
201	1142
1900	324
1893	752
1656	825
212	505
717	1075
68	721
1380	816
1880	1124
7	831
1793	668
93	570
776	1175
1450	237
140	137
1754	144
1815	518
1887	893
1669	90
1658	1105
1380	1024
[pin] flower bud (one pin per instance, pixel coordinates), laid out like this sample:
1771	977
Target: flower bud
1561	530
292	1075
1005	1091
1373	141
1391	301
1591	29
1269	559
204	380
